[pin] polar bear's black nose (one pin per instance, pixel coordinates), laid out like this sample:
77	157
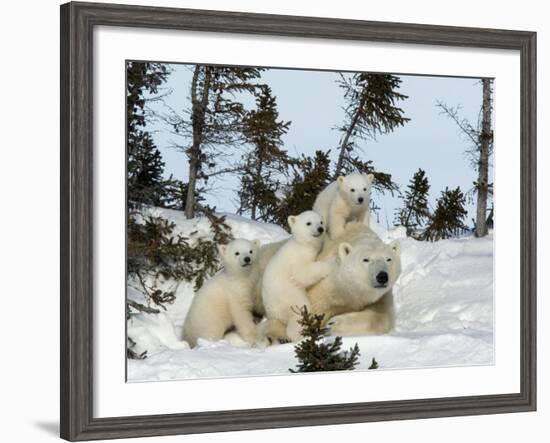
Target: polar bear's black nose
320	230
247	259
382	277
360	199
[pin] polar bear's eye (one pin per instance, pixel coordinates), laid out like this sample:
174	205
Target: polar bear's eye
388	259
251	251
237	253
352	190
308	223
364	189
366	260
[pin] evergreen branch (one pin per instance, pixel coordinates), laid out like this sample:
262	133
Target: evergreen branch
316	353
142	308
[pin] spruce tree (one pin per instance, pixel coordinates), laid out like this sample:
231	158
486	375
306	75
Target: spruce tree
382	180
131	353
370	110
156	254
317	352
267	162
174	195
415	209
480	138
145	169
309	177
490	219
447	219
141	78
485	149
216	124
144	163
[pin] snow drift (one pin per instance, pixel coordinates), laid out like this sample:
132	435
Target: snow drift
443	302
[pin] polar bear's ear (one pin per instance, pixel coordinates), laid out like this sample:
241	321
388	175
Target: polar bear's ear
344	250
291	220
396	246
340	180
370	178
222	249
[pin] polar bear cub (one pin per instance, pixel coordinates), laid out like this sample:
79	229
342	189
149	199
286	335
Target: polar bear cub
346	199
226	300
291	270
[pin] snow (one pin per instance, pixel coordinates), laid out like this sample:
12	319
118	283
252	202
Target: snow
240	227
443	300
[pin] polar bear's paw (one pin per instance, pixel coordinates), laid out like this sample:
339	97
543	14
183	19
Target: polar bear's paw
353	323
273	341
273	331
360	323
339	325
262	342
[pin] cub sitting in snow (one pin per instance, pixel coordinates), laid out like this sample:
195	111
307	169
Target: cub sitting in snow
346	199
290	272
226	300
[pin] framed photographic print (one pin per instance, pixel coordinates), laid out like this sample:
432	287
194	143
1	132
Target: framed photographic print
261	213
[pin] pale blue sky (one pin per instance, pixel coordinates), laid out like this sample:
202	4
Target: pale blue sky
313	102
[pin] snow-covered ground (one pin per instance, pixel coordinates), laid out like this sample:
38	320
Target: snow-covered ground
444	314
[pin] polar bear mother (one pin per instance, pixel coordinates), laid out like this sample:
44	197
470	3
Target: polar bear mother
356	297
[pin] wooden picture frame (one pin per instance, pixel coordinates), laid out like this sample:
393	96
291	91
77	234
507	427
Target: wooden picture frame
77	23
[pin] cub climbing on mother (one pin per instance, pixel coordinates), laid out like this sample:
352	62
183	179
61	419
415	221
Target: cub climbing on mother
347	199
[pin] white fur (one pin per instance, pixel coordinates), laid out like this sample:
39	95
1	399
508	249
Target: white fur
351	297
262	259
346	199
227	299
291	270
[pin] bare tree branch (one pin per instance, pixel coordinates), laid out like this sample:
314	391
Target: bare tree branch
463	124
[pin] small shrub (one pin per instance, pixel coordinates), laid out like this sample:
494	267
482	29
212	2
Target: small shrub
317	352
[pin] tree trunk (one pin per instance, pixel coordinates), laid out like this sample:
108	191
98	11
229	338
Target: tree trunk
194	152
191	186
347	135
485	141
345	141
253	204
409	230
258	172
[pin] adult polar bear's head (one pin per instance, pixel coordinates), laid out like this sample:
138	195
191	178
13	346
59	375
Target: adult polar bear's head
239	255
355	188
307	227
369	268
